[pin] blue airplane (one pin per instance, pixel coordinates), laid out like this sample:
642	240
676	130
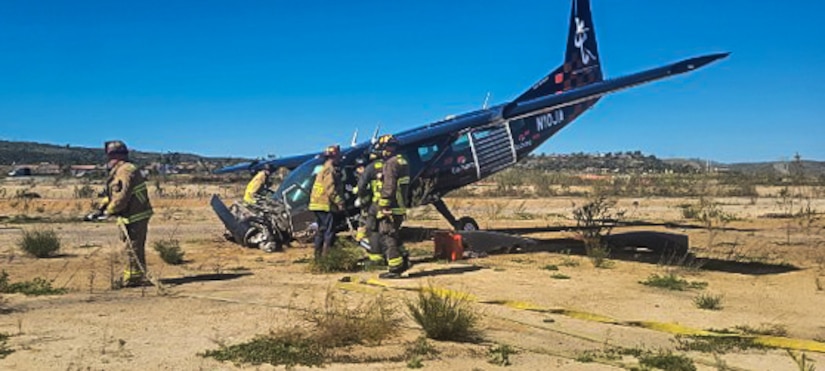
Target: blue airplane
457	151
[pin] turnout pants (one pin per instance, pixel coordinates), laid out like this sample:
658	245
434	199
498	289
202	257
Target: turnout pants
388	229
375	253
325	237
133	236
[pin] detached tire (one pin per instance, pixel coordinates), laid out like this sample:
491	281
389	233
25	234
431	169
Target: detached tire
467	223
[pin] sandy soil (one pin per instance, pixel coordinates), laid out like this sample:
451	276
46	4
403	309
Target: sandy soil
766	270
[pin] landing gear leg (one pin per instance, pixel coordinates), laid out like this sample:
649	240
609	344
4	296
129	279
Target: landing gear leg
465	223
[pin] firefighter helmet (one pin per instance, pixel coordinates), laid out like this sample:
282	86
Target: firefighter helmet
387	144
332	151
115	147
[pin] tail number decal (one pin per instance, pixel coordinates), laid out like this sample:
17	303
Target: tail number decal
580	39
549	120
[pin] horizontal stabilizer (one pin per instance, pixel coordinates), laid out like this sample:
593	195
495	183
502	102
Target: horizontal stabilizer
597	90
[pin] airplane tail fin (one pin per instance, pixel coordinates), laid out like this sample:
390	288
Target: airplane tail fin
582	64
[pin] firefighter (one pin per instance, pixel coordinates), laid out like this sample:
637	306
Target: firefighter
392	205
258	186
326	201
369	193
127	198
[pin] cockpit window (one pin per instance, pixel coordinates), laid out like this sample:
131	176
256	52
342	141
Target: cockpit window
427	152
460	144
298	184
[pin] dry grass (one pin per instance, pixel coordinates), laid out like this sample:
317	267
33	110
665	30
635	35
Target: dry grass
338	323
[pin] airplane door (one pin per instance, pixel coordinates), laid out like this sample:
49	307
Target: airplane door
493	149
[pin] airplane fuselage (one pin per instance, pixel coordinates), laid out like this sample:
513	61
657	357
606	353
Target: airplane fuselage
461	150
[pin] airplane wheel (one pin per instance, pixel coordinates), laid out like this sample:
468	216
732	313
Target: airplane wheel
467	224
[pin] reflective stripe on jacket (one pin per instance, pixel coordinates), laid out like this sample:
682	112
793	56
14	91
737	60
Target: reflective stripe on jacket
326	191
128	194
396	184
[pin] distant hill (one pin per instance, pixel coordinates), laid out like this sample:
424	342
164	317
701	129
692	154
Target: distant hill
610	162
637	162
769	168
34	153
617	162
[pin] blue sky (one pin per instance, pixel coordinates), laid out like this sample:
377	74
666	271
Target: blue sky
251	78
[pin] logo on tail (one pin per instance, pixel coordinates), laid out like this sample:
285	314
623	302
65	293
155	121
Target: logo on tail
580	39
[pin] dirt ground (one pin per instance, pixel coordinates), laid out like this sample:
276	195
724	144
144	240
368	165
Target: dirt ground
767	270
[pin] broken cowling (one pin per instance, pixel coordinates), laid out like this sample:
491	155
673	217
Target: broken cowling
264	225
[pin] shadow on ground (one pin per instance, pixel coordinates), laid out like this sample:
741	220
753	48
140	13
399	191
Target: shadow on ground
576	247
203	278
650	255
445	271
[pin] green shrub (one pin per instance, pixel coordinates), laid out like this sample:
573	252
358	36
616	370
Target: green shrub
559	276
672	282
415	362
336	324
39	243
666	360
595	220
344	257
444	316
170	251
419	350
421	347
499	355
708	301
36	287
715	344
287	347
4	349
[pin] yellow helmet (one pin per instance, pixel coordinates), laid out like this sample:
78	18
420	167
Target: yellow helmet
386	145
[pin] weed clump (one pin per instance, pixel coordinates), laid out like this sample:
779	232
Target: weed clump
499	355
344	257
708	301
595	220
169	251
419	350
39	243
769	329
445	316
336	324
666	360
36	287
4	349
287	347
672	282
716	344
559	276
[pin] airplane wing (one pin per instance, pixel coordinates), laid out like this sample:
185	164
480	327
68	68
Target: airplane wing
285	162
